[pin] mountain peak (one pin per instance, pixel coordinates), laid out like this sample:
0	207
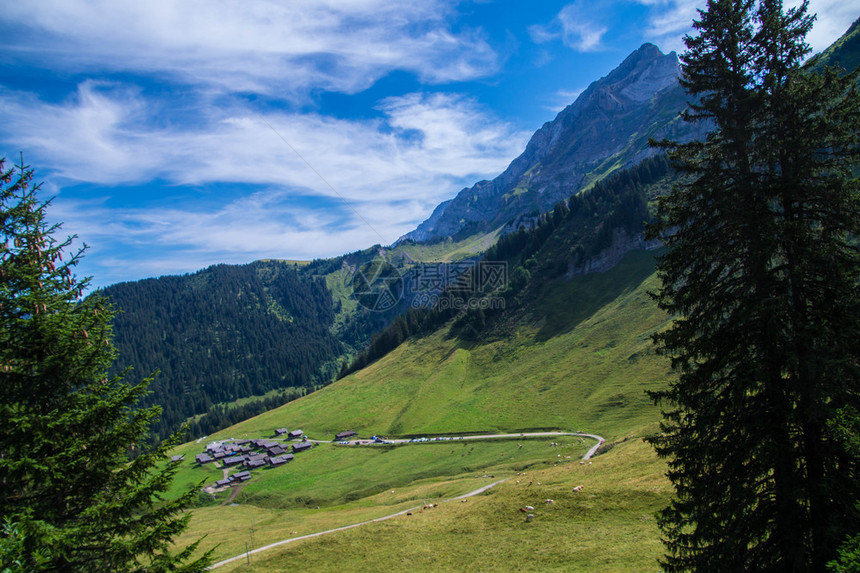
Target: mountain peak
607	126
643	73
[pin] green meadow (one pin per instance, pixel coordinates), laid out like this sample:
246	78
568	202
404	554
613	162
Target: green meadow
607	526
580	360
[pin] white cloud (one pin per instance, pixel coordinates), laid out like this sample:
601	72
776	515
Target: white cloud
169	121
580	30
834	17
260	46
392	170
582	26
578	25
104	135
669	20
133	243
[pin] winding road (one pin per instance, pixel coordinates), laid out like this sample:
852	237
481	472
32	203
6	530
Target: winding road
478	491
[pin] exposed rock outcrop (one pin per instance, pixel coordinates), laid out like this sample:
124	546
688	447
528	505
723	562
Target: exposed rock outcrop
606	128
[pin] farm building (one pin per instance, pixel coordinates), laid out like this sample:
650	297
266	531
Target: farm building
254	464
279	460
302	447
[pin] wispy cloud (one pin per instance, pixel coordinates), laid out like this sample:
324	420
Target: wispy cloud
578	25
580	30
583	26
150	121
129	243
392	170
259	46
669	20
833	17
160	111
103	135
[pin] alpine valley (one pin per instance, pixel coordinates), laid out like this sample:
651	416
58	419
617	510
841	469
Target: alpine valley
558	340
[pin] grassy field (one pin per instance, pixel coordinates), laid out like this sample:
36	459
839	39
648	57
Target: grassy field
608	526
581	359
332	486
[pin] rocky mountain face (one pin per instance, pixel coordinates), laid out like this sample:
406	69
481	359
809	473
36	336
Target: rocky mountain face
605	129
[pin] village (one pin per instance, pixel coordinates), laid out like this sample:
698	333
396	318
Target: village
248	455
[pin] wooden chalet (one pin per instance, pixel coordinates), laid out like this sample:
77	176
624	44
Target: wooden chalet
276	451
302	447
257	461
280	460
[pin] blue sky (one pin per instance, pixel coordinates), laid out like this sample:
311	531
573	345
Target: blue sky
176	135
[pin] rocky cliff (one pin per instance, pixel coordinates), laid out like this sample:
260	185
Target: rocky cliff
605	129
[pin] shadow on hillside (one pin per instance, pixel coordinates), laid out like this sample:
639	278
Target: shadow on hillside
563	304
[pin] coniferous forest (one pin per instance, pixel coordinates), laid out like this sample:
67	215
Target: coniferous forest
224	333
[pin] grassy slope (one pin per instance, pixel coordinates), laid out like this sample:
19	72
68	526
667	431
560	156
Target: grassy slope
579	360
590	376
845	52
608	526
447	251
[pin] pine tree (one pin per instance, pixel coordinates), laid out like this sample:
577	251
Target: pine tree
70	497
762	275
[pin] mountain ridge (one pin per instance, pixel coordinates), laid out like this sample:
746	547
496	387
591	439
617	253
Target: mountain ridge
607	127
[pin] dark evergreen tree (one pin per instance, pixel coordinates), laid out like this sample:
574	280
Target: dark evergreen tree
226	332
762	276
70	497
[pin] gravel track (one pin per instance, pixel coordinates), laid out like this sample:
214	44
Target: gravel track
478	491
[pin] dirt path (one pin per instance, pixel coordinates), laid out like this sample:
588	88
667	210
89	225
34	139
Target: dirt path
319	533
478	491
233	493
588	454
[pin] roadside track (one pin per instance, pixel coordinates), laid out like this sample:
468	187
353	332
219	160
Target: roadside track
478	491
